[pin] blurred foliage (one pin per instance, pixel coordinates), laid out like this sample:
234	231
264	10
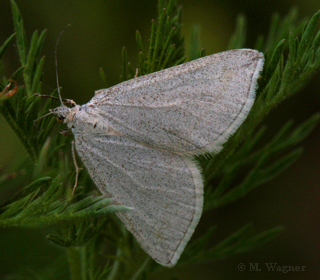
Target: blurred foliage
292	54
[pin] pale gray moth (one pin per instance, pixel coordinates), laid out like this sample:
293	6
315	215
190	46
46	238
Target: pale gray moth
137	139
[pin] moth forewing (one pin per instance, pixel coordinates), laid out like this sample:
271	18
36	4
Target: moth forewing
192	108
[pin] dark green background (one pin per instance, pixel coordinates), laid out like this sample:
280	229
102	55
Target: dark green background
98	31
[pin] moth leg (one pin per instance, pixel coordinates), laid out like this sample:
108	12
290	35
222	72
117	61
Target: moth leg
137	73
68	101
76	166
6	93
66	132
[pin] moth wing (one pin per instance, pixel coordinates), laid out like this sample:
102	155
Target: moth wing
165	190
192	108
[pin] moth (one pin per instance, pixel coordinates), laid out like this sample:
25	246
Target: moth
137	140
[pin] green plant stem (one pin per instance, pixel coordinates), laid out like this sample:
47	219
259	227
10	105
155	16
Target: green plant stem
141	269
116	265
76	257
12	121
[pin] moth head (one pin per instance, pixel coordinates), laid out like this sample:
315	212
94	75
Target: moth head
61	113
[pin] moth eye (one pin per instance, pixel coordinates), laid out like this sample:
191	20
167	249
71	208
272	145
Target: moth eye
59	119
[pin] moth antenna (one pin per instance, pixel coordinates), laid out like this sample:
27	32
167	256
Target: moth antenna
56	61
43	117
68	101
